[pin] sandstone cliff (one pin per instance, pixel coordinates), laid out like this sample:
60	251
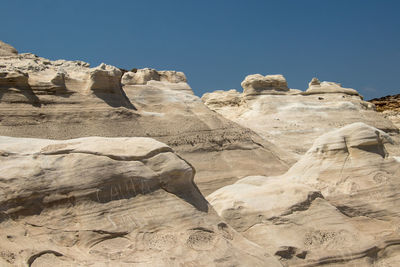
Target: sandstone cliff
68	99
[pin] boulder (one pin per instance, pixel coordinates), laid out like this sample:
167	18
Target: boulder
104	79
222	98
143	76
172	76
140	76
257	84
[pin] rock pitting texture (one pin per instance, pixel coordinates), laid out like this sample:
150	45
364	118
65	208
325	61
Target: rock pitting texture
109	201
338	205
293	119
389	106
68	99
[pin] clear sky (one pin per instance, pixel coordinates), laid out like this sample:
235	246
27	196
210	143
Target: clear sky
217	43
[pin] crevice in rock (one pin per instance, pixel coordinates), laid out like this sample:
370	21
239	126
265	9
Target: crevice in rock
106	235
111	156
302	206
371	252
37	255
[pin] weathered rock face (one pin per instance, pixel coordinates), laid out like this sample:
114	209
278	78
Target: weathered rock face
390	107
7	50
294	119
31	80
16	79
220	150
68	99
338	204
132	201
109	201
256	84
104	78
356	152
143	76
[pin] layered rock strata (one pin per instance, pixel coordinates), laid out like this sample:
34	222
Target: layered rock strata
109	201
257	84
68	99
338	205
293	119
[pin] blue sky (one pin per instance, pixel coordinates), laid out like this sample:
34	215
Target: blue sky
217	43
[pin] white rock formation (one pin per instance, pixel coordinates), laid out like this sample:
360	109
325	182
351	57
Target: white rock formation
143	76
68	99
256	84
221	151
104	79
109	201
161	79
347	160
353	221
132	201
294	119
316	87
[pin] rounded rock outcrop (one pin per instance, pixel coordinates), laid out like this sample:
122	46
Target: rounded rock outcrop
257	84
7	50
105	78
317	87
102	201
143	76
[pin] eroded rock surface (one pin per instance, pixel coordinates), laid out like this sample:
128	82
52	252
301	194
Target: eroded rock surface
132	201
389	106
143	76
109	201
256	84
317	87
338	204
293	119
67	99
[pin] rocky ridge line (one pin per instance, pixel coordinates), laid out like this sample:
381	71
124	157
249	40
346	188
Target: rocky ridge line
389	106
